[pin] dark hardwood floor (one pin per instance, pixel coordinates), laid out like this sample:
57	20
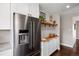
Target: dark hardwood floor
66	51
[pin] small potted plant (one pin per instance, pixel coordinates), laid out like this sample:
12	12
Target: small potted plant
41	18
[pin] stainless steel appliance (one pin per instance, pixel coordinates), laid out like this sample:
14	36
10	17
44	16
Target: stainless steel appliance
27	35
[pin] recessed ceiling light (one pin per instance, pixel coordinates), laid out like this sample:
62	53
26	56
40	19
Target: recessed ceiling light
68	6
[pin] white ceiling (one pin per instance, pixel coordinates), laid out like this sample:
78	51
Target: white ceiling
57	7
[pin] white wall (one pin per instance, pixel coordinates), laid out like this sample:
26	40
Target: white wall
68	35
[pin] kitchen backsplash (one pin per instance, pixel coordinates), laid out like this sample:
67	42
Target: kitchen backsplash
45	31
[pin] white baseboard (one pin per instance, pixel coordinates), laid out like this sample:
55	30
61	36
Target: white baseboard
66	45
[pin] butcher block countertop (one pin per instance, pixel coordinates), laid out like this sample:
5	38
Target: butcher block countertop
50	37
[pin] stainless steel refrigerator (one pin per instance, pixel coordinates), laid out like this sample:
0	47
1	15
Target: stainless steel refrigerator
27	35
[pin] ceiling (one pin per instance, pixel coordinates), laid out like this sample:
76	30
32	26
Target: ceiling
57	7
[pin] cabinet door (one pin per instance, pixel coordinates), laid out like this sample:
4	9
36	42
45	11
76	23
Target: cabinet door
34	9
51	47
44	48
4	16
21	8
26	8
58	43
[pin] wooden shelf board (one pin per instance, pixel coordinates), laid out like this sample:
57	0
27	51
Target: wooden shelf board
49	24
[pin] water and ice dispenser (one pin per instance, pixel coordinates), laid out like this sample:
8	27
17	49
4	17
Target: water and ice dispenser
23	36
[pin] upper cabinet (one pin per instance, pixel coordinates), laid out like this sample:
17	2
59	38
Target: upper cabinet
21	8
34	9
31	9
4	16
8	9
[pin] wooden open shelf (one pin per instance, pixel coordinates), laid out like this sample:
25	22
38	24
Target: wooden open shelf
49	24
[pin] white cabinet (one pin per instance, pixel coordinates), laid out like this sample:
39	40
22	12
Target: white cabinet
26	8
47	48
34	9
52	46
44	48
4	16
21	8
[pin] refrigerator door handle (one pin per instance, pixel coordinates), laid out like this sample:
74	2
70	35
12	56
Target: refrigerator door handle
30	35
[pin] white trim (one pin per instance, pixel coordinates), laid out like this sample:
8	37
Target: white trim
5	29
67	45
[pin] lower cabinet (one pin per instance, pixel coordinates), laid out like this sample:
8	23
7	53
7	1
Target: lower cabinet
44	48
47	48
